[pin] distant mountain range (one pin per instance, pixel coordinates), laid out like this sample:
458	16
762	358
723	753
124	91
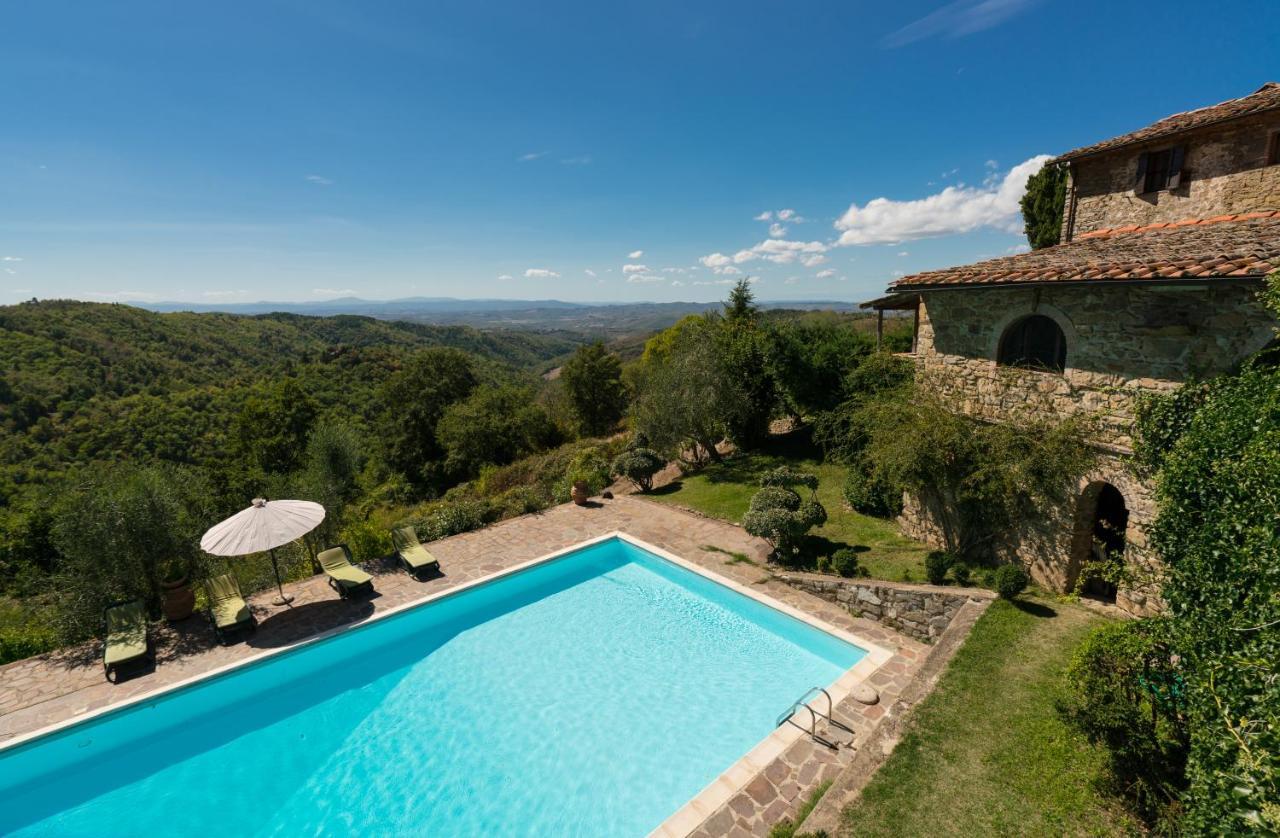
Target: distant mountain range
603	318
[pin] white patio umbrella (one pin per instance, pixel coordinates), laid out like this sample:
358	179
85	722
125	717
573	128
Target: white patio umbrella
264	526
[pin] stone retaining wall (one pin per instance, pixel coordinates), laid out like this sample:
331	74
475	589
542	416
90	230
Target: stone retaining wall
919	611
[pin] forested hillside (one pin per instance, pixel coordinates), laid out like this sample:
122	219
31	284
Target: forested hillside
88	382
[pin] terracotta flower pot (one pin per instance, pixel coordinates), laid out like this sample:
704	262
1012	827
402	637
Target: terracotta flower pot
579	493
179	600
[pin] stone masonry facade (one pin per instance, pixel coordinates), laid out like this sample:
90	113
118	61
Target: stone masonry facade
1227	170
1122	340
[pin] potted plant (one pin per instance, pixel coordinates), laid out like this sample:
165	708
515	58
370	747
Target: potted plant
179	598
581	491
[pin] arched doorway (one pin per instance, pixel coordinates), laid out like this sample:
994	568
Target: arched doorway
1104	545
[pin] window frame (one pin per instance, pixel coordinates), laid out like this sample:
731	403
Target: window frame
1023	360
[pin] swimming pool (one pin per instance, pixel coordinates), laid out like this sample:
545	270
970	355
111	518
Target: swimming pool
591	693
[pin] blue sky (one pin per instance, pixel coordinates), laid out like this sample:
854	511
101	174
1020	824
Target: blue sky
306	150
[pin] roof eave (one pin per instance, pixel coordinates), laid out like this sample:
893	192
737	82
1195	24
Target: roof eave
1090	151
1068	283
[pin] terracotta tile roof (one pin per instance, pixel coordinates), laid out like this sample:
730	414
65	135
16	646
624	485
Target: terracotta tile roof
1264	98
1245	245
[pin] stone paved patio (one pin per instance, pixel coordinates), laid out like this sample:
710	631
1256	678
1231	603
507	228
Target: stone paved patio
61	686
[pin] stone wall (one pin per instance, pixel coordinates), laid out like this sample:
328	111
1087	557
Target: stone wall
1122	340
919	611
1053	544
1225	171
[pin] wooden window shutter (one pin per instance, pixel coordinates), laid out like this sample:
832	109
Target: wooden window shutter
1175	167
1139	183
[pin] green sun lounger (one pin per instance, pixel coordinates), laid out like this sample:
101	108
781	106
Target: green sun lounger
127	643
415	558
344	577
228	612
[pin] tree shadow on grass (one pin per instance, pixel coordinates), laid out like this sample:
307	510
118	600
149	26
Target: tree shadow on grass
1035	609
669	489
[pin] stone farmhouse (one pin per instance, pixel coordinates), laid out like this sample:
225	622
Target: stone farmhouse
1167	235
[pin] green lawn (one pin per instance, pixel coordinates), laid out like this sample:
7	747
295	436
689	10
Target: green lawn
986	753
724	490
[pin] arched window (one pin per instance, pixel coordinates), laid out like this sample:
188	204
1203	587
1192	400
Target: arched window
1034	342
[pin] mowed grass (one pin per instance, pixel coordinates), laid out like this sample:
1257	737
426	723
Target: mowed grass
724	490
987	753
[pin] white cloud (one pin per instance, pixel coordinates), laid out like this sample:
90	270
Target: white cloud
813	261
955	20
791	280
825	274
333	292
320	180
222	295
635	269
786	214
11	259
777	231
589	272
505	276
956	209
714	282
635	254
540	273
764	216
675	283
1019	248
673	270
533	155
646	278
904	252
716	260
727	270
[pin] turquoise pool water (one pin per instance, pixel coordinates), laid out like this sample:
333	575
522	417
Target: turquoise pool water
592	695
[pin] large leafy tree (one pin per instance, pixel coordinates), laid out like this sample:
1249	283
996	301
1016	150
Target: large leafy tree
743	348
493	426
593	381
119	533
686	400
410	406
1042	206
271	429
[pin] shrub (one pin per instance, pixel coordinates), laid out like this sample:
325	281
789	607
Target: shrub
936	565
366	540
638	465
824	564
1127	694
1011	580
870	494
450	517
779	515
960	571
845	562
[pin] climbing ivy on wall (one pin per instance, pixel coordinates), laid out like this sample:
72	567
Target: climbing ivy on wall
1215	450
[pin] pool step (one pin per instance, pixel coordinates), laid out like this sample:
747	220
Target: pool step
788	717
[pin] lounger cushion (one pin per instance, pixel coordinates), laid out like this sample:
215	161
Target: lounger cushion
340	569
418	556
349	576
126	634
226	604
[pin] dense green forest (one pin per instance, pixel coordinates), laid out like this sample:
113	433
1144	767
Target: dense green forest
90	382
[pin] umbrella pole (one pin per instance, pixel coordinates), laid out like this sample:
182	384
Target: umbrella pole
284	599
